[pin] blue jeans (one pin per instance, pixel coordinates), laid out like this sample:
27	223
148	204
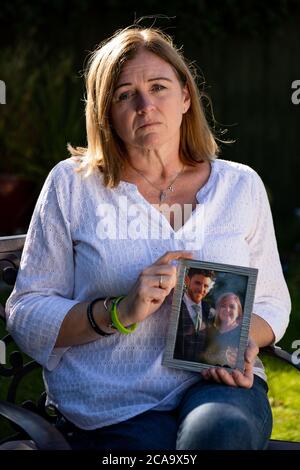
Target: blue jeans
215	416
209	416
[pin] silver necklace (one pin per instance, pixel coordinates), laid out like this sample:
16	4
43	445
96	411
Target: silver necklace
162	192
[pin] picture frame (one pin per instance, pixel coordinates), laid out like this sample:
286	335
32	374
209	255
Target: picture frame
216	334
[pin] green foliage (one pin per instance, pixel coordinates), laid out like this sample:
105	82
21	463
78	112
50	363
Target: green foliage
284	383
293	280
44	110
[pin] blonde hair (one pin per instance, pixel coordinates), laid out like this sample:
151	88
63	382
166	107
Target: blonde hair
219	300
105	150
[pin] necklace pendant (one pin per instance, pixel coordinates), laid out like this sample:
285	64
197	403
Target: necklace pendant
162	196
170	188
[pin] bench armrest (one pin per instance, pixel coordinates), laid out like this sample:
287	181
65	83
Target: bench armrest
281	354
45	435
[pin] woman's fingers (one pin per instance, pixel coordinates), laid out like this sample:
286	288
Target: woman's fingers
153	294
161	274
251	351
160	281
214	375
173	255
234	379
225	377
155	270
153	285
205	374
245	379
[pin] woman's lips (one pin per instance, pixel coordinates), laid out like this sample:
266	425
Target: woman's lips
148	124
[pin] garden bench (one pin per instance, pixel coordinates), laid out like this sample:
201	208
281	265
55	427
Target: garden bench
33	420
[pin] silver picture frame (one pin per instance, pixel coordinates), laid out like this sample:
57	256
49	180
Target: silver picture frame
231	287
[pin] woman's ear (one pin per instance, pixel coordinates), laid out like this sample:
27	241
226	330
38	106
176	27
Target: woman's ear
186	99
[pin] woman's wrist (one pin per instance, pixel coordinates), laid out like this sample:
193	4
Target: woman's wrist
123	309
116	321
102	314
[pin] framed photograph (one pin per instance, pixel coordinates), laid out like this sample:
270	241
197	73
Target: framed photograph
211	312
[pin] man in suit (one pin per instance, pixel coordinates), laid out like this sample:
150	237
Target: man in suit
194	314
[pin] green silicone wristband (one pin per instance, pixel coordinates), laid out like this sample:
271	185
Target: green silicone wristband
116	322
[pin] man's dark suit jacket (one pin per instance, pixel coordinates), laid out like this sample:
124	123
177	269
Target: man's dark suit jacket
188	342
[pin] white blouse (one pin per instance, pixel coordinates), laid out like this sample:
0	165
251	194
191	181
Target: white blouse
87	241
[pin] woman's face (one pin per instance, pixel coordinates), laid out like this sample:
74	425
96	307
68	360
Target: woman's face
228	310
148	103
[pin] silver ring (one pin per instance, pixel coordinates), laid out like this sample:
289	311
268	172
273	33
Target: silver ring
160	282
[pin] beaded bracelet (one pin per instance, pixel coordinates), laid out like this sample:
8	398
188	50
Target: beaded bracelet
114	318
92	320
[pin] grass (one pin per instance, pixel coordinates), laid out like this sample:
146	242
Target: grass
284	384
284	380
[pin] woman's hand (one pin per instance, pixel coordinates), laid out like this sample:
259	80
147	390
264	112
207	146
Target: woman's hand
152	287
236	378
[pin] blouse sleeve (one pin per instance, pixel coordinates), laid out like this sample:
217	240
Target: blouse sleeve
42	295
272	300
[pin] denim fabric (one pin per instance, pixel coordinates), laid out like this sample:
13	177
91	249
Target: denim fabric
152	430
210	416
215	416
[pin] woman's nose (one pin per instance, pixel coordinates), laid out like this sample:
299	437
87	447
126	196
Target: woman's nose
144	103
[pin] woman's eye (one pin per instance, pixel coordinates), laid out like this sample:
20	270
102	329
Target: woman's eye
158	87
125	96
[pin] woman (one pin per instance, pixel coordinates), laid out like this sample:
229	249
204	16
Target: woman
222	339
102	228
